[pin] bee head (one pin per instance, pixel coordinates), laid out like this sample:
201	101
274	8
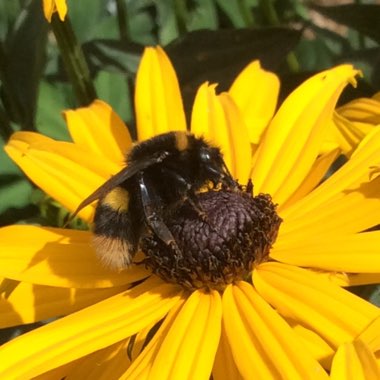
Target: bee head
213	168
199	162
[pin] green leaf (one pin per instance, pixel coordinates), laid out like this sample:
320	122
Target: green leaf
114	89
141	17
9	10
202	15
112	55
52	100
232	9
23	63
90	19
314	54
362	17
15	189
166	21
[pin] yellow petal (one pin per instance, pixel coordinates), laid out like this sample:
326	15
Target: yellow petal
60	372
29	303
371	335
354	361
348	134
347	202
189	347
57	257
335	314
345	279
224	364
61	8
262	344
105	364
255	92
48	7
218	120
347	253
158	101
317	347
364	110
88	330
99	130
54	166
239	145
109	363
294	137
314	177
141	366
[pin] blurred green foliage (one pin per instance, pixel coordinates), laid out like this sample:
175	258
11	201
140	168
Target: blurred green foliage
206	40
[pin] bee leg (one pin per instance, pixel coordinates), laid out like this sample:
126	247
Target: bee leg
152	217
190	196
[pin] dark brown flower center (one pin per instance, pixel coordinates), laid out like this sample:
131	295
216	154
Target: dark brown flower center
222	246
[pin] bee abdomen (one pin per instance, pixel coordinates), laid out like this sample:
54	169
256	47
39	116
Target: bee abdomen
115	229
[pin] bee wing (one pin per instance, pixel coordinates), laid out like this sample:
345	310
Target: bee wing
124	174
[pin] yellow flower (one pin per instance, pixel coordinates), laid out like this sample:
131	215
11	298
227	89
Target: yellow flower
51	6
352	122
288	320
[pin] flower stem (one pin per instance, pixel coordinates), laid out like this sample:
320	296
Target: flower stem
74	60
122	20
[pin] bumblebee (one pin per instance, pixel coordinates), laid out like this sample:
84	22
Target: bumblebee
160	174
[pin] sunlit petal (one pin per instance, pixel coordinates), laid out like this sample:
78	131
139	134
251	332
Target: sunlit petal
348	253
54	166
87	330
224	364
348	134
296	131
346	202
345	279
318	348
99	130
255	91
314	302
109	363
354	361
158	99
262	344
57	257
371	335
190	345
141	367
314	177
28	303
60	372
364	110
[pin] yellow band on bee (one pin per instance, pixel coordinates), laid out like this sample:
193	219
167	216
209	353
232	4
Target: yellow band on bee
117	199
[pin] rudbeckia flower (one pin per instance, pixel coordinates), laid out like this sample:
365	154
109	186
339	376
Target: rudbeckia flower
286	319
51	6
353	121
